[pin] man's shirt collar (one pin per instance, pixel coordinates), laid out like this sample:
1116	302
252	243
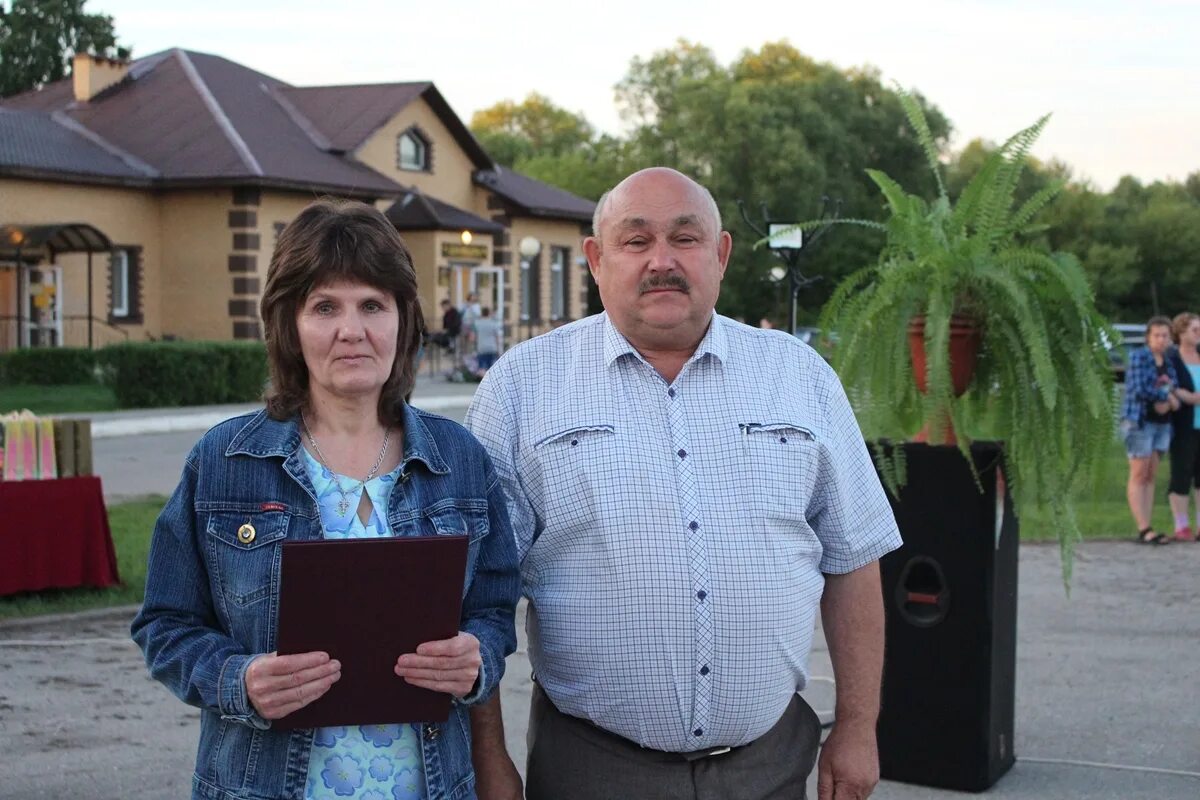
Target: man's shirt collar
714	343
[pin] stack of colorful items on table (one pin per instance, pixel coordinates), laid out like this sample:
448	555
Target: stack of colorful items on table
41	448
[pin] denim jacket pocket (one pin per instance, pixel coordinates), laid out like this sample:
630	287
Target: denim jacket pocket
243	551
459	518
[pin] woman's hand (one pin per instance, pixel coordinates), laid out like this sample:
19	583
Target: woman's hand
449	665
278	685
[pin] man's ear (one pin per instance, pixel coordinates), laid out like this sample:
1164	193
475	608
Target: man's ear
591	249
724	249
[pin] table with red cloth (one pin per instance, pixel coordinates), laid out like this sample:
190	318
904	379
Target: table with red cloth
54	535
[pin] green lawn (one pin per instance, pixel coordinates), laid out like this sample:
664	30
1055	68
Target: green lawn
132	524
57	399
1103	513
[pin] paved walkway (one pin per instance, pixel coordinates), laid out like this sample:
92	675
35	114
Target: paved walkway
1108	704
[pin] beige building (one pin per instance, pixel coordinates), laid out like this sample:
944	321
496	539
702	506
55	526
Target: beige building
141	201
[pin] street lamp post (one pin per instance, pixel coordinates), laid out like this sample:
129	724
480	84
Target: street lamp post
786	242
529	249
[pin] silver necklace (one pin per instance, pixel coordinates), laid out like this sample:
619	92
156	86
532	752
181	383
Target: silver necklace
343	505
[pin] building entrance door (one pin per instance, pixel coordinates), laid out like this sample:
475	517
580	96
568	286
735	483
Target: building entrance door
42	304
488	283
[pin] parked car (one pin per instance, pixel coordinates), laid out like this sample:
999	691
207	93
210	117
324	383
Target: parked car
1132	336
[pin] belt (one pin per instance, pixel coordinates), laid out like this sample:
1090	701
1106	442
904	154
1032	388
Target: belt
665	755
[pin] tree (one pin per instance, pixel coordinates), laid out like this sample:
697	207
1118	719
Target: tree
39	38
780	129
534	127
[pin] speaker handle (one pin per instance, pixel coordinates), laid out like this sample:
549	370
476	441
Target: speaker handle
922	596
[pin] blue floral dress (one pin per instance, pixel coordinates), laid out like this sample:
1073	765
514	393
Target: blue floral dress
365	762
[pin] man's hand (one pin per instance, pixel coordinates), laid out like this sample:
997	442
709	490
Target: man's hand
278	685
449	665
496	778
849	765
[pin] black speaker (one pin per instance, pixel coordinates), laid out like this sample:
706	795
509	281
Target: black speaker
950	593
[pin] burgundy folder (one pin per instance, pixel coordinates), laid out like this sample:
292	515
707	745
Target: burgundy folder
366	602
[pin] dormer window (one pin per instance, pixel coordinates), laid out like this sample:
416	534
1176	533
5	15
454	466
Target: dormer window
412	151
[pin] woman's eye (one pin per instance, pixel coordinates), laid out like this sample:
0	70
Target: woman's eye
372	306
323	308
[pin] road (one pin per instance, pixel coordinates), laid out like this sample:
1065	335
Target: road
1108	676
136	466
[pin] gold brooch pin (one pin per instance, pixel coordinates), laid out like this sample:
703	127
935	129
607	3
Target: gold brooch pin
246	533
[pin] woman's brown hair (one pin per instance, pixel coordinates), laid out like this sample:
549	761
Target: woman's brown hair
330	241
1180	323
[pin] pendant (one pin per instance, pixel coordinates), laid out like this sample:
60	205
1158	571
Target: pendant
343	506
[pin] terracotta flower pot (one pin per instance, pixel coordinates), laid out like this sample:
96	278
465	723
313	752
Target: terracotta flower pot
964	350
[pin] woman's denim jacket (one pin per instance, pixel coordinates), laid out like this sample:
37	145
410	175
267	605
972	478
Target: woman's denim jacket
211	600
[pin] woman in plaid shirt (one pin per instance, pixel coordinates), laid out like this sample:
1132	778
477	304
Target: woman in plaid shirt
1150	384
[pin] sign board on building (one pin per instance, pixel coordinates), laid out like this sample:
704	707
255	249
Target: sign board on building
475	252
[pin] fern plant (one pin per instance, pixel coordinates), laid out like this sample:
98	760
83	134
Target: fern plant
1042	384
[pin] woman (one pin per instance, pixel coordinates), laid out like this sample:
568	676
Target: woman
342	325
1150	398
1185	425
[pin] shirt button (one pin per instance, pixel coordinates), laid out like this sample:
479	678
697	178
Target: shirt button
670	392
682	453
698	732
783	440
574	442
694	525
701	594
704	670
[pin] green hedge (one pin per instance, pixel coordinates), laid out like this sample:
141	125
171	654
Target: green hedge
151	374
48	366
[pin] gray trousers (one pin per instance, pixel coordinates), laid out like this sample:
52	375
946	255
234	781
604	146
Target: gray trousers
570	759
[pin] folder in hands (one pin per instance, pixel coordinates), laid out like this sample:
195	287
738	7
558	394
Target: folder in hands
366	602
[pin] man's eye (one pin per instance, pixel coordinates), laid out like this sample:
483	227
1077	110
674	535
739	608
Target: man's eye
639	242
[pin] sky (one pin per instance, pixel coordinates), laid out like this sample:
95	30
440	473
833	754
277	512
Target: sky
1122	79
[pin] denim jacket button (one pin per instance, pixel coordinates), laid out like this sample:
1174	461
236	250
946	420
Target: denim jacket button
432	732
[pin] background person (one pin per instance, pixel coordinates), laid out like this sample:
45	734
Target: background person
1185	425
1146	422
324	459
685	491
488	332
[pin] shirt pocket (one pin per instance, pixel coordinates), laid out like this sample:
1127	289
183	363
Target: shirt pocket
244	551
574	464
782	459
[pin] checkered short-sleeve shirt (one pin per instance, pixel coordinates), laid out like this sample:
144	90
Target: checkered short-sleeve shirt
673	536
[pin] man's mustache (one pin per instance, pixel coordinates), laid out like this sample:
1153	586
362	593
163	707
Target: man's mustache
671	281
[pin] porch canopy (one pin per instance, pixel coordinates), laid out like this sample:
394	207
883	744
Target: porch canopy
28	244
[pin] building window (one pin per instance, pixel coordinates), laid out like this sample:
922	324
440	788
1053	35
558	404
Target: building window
412	151
119	283
124	285
560	259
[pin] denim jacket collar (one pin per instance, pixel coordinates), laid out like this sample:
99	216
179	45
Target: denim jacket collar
264	437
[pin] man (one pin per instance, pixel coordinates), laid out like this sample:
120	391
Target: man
470	313
488	331
684	490
451	326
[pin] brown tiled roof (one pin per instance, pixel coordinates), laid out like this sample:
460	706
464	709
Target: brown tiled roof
416	211
533	197
346	116
37	144
195	118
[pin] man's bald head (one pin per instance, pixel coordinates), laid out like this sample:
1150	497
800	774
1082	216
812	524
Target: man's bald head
604	205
